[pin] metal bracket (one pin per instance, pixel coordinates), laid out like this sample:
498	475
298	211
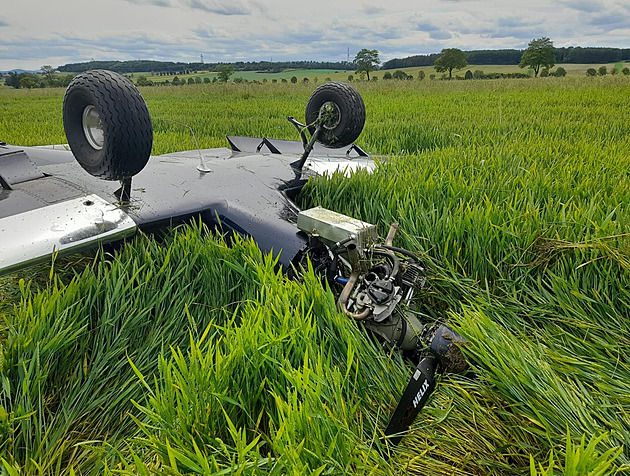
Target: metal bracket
124	192
300	127
309	147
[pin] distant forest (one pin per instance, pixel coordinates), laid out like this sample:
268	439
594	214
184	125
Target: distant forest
140	66
480	57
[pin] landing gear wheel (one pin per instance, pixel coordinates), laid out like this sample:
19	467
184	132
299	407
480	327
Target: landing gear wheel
342	111
107	124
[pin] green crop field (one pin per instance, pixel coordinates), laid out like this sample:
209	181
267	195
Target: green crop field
321	75
311	74
179	354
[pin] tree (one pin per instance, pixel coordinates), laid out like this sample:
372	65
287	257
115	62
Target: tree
49	73
421	75
591	72
387	75
366	61
468	75
28	82
602	71
225	71
560	72
143	81
293	79
450	59
539	53
399	74
626	71
13	80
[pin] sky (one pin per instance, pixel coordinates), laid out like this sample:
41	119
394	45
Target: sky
43	32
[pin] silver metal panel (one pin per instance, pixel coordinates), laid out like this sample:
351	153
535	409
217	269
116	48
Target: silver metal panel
16	167
333	227
65	227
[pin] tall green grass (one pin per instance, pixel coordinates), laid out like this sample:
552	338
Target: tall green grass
189	356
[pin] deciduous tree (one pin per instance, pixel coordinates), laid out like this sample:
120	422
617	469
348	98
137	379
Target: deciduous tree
450	59
366	61
399	74
225	71
539	54
49	74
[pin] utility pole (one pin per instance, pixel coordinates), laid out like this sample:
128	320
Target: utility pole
201	58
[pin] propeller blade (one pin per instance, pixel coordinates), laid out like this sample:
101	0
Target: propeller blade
414	397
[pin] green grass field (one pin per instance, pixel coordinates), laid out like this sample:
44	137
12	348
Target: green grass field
187	356
321	75
311	74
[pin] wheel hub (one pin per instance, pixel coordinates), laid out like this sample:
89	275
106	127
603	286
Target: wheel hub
330	115
93	127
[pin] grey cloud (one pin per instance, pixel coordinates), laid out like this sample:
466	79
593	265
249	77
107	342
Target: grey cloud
370	32
522	34
212	6
220	8
373	10
608	21
78	48
440	35
435	32
515	22
587	6
3	23
426	26
204	32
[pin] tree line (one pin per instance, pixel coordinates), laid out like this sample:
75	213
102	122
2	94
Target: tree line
170	68
46	79
513	57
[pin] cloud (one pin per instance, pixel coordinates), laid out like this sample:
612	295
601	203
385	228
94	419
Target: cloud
57	48
608	21
235	7
516	22
205	32
220	8
3	23
586	6
435	32
373	10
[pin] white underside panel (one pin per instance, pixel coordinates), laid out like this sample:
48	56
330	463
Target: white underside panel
69	226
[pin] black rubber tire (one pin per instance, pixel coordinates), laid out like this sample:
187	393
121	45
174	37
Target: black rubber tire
126	124
351	114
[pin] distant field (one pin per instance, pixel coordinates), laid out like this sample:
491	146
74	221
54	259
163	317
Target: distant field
321	75
187	356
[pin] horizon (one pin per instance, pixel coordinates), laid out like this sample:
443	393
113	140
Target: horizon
37	70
